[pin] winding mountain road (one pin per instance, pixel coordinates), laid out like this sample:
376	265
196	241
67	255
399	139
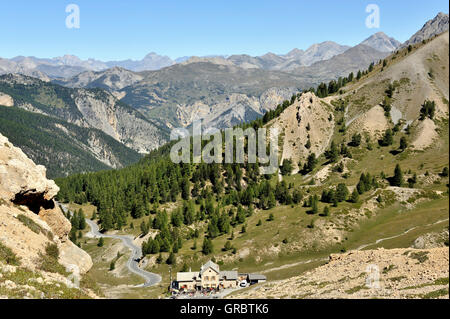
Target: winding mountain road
151	279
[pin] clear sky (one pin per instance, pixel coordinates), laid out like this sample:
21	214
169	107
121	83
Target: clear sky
115	30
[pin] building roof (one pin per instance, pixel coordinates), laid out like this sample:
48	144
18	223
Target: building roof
256	277
209	264
187	276
229	275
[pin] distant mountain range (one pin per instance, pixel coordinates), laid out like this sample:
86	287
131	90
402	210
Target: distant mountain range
226	91
69	65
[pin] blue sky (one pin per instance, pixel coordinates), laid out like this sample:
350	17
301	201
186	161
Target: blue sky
115	30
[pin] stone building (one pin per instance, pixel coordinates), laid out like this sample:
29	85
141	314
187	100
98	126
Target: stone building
209	277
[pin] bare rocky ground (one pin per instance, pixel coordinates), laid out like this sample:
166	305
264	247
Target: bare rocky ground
401	273
306	119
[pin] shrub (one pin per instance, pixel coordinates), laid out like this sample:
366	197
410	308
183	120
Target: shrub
49	261
7	255
30	223
52	250
427	110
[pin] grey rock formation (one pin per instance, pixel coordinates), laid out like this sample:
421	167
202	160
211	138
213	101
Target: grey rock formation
352	60
431	28
381	42
295	58
114	79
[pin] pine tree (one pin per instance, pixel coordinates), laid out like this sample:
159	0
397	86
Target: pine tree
341	192
326	211
397	179
101	242
155	247
271	200
207	247
81	220
354	197
403	143
171	260
286	167
297	196
314	205
227	245
333	153
356	140
388	138
185	188
144	228
310	164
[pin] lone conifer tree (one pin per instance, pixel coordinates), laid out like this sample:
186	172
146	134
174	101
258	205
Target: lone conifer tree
397	179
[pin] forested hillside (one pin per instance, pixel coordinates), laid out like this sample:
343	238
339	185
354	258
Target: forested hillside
63	148
91	108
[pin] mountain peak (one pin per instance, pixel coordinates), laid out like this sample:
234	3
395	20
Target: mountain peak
381	42
435	26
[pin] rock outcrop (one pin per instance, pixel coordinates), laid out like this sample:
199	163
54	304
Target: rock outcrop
308	119
29	216
6	100
433	27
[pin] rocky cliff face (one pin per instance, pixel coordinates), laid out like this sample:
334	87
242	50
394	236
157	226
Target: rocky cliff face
122	123
234	109
29	216
433	27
